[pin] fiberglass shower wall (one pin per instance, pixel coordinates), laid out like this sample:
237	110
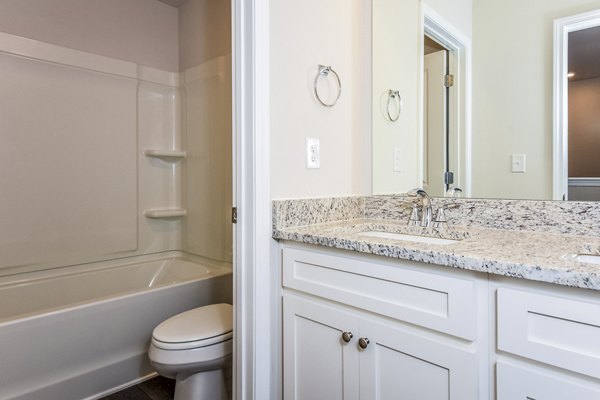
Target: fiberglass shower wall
87	88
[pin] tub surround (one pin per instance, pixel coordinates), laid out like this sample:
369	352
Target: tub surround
520	239
89	331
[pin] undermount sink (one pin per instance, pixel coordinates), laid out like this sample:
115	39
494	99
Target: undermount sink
586	258
408	238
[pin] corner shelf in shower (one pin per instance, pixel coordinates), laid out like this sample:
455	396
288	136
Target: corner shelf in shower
165	155
165	213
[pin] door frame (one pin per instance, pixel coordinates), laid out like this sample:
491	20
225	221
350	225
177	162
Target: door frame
459	62
254	354
560	126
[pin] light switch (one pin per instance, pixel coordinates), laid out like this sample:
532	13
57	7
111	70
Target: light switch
397	159
518	163
312	153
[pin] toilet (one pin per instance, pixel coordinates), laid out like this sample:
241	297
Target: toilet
194	348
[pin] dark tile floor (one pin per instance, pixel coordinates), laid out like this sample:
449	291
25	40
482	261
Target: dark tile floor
158	388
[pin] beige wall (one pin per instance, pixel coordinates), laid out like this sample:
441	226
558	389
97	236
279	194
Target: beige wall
396	47
303	35
584	128
204	31
512	94
141	31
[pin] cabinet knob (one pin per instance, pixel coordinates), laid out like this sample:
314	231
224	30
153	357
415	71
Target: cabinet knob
347	336
363	343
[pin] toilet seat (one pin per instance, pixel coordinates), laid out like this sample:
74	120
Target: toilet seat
200	327
194	344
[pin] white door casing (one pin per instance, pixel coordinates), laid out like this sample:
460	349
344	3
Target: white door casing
255	333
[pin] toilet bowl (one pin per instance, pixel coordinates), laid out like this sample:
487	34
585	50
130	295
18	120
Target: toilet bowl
194	348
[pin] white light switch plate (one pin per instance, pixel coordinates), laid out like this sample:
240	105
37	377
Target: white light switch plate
313	160
397	159
518	163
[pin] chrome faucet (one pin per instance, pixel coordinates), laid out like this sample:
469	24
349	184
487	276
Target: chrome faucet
453	191
426	209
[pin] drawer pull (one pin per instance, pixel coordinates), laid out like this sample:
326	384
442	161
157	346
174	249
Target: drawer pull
347	336
363	343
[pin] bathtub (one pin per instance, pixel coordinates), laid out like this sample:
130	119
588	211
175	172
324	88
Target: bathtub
83	332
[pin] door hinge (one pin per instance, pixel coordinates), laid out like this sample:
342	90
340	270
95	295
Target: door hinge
448	80
234	215
448	178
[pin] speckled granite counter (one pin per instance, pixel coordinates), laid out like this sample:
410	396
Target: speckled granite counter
522	254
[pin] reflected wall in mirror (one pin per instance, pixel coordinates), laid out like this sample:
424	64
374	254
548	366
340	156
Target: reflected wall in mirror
493	129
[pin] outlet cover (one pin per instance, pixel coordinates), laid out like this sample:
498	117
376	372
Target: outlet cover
313	156
397	159
518	163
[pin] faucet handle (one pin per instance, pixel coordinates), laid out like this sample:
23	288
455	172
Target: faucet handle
414	219
440	218
454	191
409	204
451	206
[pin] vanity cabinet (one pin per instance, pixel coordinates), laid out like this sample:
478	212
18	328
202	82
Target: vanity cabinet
530	383
365	349
555	334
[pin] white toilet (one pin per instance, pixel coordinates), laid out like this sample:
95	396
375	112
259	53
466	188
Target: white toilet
194	347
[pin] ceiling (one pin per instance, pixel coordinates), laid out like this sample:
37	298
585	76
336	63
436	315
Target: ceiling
174	3
584	53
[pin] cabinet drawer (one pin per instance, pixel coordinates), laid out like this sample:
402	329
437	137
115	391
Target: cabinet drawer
430	300
554	330
515	382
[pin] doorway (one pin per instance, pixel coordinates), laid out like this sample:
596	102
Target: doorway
576	171
584	120
447	158
437	81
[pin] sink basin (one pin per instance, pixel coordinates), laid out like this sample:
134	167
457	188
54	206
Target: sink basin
587	258
408	238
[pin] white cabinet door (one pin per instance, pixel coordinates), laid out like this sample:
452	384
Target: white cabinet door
401	365
317	363
518	383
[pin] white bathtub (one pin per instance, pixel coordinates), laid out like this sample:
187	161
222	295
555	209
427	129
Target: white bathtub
83	332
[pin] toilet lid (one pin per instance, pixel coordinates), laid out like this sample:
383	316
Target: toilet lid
196	328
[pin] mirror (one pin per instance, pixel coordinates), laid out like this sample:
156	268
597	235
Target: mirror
465	95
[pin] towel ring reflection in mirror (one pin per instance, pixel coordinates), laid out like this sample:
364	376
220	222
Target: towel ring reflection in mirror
394	98
324	72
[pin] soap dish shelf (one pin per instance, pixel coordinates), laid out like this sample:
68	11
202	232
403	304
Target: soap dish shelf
165	155
165	213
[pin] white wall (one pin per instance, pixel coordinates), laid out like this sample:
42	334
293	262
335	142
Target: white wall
140	31
304	34
204	31
512	94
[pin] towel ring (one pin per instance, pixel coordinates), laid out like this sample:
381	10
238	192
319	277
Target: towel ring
394	96
324	72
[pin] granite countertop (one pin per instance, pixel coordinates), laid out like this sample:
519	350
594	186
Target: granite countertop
520	254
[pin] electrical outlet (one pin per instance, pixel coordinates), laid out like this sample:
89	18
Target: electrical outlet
397	159
518	163
313	160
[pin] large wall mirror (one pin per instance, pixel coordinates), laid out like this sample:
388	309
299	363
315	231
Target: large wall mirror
500	98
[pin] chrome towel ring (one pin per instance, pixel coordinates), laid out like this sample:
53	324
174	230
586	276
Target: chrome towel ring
324	72
394	97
